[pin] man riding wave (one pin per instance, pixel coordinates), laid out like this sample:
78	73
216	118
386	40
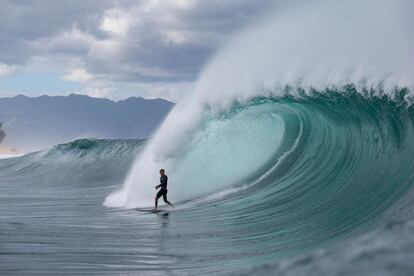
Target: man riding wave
163	191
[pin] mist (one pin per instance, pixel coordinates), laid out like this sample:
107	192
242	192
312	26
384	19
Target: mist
2	133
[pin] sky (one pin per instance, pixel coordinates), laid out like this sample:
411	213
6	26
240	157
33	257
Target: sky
114	48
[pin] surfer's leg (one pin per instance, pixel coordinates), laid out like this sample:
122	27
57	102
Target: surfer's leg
157	196
164	197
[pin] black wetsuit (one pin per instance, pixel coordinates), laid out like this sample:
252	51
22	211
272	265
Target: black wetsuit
163	184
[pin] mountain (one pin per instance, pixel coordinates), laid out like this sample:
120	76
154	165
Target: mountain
40	122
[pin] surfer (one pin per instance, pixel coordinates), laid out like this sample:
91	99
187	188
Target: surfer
163	191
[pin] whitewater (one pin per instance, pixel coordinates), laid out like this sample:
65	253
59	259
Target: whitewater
293	156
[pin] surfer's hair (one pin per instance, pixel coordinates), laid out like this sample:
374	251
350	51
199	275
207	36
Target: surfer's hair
162	170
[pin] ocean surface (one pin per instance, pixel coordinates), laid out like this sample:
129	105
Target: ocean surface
319	183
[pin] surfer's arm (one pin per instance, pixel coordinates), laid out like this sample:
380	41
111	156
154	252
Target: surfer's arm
156	187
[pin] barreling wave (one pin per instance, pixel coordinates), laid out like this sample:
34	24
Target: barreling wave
289	173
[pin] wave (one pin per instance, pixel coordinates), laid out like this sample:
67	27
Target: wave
257	140
307	170
93	149
78	153
291	173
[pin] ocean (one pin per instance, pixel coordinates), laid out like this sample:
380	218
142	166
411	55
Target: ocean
332	196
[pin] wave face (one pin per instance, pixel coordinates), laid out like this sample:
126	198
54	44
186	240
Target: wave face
78	152
305	170
68	162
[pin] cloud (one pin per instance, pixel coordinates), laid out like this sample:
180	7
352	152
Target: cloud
116	21
123	43
6	70
78	75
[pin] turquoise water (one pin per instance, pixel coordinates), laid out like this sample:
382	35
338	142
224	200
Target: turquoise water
289	185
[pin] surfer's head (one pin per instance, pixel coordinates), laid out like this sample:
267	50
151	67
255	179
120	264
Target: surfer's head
162	172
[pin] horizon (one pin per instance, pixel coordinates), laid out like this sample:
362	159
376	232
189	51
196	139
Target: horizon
82	95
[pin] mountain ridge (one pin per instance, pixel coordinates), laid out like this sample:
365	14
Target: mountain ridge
33	123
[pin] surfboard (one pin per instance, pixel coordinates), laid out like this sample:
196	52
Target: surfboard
149	210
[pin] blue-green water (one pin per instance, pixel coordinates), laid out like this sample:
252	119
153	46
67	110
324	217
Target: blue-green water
322	184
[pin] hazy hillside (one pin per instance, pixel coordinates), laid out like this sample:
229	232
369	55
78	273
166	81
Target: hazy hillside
35	123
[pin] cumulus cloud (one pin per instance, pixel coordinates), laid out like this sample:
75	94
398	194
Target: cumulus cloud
114	44
78	75
6	69
116	21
